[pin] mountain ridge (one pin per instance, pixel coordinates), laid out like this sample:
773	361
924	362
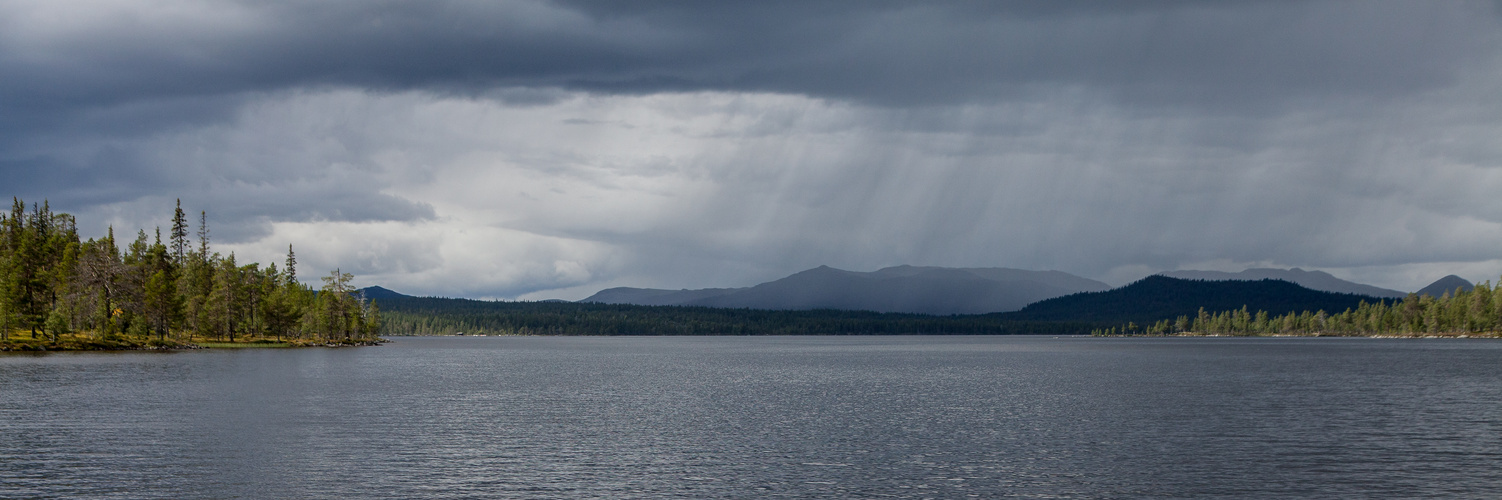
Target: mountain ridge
901	289
1447	284
1159	297
1313	280
376	292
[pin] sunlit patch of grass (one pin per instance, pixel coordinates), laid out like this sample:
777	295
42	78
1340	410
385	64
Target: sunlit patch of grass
77	341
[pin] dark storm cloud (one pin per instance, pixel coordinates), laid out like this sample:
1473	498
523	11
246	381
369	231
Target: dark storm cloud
132	74
88	70
1189	131
893	53
248	203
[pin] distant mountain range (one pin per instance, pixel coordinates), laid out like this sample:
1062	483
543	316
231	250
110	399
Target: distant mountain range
901	289
1146	301
1008	296
1313	280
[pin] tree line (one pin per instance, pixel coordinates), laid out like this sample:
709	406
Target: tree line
1464	312
54	284
441	316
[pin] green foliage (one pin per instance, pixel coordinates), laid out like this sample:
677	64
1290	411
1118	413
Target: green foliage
179	233
52	283
57	324
39	251
1474	312
1156	298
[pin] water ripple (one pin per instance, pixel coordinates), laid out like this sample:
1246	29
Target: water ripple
890	417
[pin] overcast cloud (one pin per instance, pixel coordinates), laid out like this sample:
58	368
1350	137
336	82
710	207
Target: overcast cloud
550	149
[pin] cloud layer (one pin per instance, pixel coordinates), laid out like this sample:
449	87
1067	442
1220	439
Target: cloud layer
535	149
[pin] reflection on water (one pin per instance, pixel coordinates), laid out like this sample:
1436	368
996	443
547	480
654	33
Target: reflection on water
753	417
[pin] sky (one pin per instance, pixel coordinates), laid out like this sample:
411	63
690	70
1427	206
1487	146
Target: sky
531	149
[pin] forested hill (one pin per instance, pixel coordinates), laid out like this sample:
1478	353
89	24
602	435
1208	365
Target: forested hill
380	293
901	289
439	316
1149	300
1313	280
1159	297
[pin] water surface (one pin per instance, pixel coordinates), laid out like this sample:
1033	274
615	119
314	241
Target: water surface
706	417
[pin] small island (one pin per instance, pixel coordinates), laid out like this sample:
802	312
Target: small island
58	292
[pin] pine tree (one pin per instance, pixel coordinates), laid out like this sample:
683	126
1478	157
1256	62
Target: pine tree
161	303
10	263
203	233
1457	311
291	266
1431	318
6	283
1480	318
29	303
226	302
281	312
336	304
160	295
179	233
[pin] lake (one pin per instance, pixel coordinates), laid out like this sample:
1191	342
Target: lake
753	417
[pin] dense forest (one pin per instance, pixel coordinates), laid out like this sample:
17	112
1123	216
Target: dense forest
56	288
1158	297
440	316
1471	313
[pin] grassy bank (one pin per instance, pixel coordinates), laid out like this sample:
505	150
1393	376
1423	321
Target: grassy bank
84	342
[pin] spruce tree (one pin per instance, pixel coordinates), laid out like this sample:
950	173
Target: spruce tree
6	285
338	307
179	233
27	303
291	266
203	233
372	316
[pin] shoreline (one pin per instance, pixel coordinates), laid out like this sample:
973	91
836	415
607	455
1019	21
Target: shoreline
1482	336
83	344
79	344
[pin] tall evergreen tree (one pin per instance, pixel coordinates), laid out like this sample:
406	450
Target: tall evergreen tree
226	301
161	303
179	233
7	281
28	303
280	311
291	266
338	308
203	233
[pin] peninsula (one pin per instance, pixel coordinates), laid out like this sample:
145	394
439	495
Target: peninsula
58	292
